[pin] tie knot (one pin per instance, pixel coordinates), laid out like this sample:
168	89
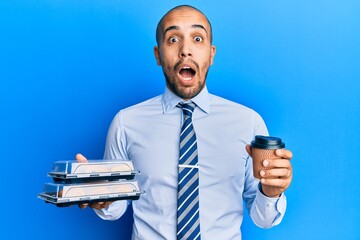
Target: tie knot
188	108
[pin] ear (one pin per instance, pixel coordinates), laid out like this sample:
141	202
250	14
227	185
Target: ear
157	55
212	54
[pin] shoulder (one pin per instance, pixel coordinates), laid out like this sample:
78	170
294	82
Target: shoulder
230	107
148	106
237	115
152	102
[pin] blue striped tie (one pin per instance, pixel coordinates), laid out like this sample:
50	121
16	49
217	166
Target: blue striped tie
188	222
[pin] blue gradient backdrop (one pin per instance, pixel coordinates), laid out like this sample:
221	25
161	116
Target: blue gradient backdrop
66	68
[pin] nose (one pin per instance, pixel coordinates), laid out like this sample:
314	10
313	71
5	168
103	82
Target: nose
185	50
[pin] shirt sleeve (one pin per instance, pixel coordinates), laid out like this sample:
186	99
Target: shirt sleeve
268	212
265	212
115	148
114	211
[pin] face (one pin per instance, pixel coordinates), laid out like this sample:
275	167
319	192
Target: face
185	51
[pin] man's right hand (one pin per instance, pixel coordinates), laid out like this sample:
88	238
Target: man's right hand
98	205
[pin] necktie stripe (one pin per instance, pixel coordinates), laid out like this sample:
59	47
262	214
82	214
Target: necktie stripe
184	139
188	151
191	162
187	109
188	199
191	178
191	218
187	127
195	233
189	145
190	157
198	235
183	174
188	213
187	210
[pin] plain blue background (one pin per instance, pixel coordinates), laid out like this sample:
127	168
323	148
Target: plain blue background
67	67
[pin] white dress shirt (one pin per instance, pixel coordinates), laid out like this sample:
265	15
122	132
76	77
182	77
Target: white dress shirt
148	134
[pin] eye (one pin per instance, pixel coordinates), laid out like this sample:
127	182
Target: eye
173	40
198	39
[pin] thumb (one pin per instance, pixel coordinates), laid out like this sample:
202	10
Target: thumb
248	149
80	158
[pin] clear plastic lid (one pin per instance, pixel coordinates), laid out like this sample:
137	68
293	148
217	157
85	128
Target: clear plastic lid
72	169
68	194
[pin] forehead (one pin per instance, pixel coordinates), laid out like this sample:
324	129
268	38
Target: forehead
184	17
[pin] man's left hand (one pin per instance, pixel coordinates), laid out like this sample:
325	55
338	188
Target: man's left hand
277	179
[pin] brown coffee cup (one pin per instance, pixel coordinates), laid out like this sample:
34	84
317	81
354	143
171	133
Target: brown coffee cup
263	147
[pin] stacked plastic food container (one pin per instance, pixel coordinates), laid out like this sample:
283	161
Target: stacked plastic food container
93	181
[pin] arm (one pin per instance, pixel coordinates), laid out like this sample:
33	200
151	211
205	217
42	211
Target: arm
114	149
266	201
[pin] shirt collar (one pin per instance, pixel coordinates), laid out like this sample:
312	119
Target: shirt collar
170	100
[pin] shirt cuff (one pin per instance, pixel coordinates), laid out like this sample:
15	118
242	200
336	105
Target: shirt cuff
114	211
269	205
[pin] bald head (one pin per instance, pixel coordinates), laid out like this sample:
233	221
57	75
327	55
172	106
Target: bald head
160	27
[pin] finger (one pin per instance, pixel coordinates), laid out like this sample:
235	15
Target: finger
100	205
95	206
284	153
248	149
106	204
80	158
277	163
83	205
275	173
280	183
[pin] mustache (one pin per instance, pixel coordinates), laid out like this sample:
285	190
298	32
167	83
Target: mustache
176	66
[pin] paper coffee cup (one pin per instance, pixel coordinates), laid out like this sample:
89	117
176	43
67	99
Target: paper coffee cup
263	147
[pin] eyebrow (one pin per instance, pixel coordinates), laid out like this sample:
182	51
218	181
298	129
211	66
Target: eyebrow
199	26
174	27
171	28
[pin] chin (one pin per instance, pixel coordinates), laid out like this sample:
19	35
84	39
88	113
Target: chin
184	92
188	92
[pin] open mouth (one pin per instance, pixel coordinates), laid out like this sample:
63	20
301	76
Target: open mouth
187	73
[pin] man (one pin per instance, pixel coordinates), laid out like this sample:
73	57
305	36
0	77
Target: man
150	133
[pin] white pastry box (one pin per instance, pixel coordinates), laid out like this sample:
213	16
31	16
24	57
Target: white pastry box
73	171
64	194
